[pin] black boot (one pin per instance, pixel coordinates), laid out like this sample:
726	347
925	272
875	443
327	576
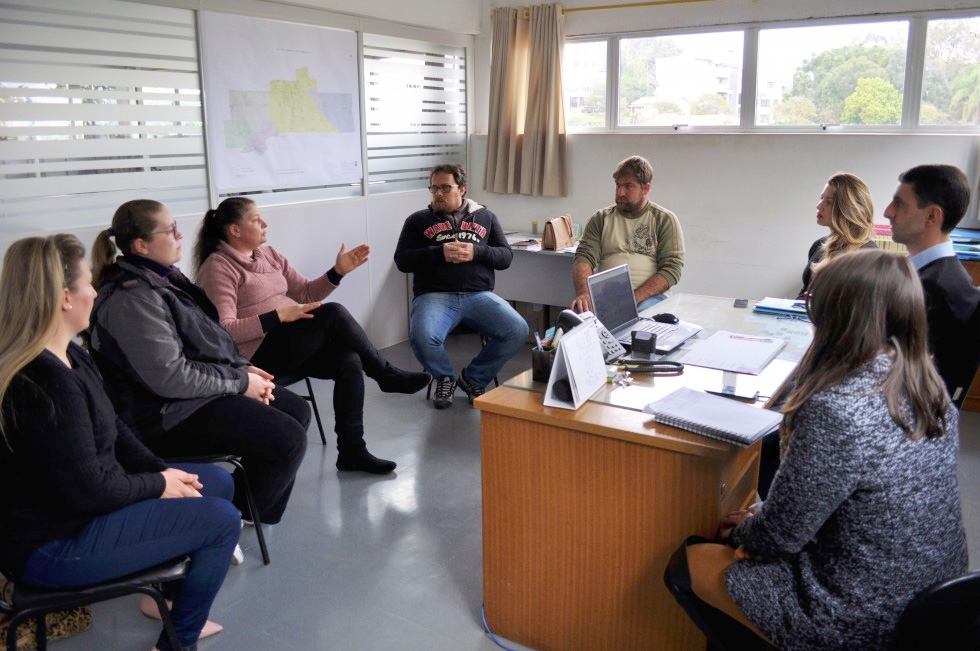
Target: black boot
394	380
362	460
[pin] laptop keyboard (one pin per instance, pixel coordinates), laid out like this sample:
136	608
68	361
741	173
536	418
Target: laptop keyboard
655	327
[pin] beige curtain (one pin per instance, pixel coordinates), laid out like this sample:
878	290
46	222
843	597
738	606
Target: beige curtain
526	135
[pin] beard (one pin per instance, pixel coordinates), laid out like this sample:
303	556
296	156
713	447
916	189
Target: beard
626	207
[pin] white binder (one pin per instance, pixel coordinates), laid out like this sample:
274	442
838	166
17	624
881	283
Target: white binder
578	360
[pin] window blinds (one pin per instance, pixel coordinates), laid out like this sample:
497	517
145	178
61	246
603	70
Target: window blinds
415	106
100	103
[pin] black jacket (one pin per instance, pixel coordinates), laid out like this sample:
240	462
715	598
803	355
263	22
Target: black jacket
419	250
160	347
70	457
953	311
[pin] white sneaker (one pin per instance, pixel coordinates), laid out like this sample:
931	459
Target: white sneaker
237	556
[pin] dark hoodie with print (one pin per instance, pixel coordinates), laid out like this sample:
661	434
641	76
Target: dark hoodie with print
419	250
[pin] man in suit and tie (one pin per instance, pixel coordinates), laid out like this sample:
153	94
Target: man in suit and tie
928	204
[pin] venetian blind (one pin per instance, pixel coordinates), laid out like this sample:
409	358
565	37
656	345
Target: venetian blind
100	103
415	106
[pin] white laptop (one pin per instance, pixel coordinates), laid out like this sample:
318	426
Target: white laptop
615	307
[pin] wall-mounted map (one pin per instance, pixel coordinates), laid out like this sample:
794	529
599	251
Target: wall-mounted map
281	104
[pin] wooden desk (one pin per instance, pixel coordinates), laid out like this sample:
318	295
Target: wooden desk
581	511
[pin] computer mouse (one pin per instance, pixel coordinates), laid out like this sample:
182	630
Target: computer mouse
665	317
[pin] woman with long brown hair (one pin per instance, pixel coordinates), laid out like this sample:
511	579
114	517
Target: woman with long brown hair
845	208
276	317
84	501
864	511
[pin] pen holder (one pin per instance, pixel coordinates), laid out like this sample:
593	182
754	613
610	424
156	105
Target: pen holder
541	361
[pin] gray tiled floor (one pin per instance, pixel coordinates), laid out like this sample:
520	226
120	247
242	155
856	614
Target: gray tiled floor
362	563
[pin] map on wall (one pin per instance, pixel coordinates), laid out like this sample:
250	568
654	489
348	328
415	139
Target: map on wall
281	104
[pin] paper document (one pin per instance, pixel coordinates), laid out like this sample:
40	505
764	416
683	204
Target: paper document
730	351
790	306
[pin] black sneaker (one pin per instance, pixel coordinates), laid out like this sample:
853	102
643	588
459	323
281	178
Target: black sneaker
472	392
445	388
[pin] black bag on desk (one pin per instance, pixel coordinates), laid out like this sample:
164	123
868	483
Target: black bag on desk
558	233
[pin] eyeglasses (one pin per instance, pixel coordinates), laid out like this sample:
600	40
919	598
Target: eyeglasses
172	230
445	189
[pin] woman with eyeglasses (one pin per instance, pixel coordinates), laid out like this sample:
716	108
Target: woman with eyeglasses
275	315
864	511
176	375
845	208
84	501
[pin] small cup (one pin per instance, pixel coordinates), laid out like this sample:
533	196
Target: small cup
541	361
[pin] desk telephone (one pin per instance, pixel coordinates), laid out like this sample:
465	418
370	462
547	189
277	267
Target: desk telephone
611	349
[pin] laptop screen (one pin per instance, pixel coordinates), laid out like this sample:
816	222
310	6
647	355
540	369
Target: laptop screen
612	297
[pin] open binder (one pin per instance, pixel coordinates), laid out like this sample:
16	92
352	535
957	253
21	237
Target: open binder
713	416
578	361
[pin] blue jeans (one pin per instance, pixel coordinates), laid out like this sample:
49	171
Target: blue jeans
435	314
650	302
145	534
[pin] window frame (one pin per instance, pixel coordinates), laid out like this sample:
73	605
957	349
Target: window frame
911	94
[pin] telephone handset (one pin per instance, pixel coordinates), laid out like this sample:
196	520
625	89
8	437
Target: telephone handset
611	349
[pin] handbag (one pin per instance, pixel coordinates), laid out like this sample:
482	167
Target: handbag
558	233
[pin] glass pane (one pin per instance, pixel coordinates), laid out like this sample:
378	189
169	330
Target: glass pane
583	81
951	75
693	79
832	74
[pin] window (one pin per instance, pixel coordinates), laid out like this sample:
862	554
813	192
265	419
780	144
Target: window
690	79
583	79
98	105
832	74
951	74
415	101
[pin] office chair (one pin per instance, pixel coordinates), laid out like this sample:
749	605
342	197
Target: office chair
286	380
235	461
34	603
944	616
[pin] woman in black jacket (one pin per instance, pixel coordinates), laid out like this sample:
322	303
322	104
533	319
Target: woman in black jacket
85	502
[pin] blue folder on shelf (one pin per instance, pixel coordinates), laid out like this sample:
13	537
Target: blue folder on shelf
783	306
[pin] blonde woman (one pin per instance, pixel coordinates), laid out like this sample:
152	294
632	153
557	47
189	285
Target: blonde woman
864	511
84	501
846	209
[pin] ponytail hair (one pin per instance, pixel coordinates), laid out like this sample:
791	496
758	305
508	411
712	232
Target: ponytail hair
133	220
214	227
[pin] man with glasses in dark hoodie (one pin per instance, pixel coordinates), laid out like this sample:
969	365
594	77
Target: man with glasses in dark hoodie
453	248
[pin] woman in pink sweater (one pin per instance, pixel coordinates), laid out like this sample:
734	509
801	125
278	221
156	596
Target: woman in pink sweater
277	320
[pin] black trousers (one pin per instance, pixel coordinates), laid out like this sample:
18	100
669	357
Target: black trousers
330	346
271	439
722	631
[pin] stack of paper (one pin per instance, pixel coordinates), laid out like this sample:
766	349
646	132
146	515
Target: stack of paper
713	416
788	306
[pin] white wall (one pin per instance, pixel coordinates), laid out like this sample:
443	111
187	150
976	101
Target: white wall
747	203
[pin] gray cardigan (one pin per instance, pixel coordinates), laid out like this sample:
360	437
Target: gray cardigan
858	520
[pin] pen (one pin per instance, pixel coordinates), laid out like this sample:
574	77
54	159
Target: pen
537	339
558	333
744	338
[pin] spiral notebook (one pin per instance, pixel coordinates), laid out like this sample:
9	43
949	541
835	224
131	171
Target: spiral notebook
713	416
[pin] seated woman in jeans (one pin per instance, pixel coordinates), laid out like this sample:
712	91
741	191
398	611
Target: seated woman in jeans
275	316
177	377
84	501
864	511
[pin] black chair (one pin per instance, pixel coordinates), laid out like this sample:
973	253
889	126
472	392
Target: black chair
944	616
286	380
235	461
34	603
